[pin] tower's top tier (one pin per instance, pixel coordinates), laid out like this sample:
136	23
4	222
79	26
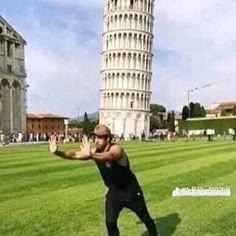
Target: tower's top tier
145	6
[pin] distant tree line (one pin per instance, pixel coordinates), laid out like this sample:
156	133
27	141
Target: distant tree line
86	125
193	110
157	118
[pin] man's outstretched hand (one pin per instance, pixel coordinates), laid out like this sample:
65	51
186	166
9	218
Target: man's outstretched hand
53	144
85	153
86	147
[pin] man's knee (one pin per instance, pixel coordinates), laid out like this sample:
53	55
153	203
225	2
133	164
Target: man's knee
112	228
150	224
146	218
111	224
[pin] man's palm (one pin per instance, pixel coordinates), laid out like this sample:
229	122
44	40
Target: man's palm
52	144
85	147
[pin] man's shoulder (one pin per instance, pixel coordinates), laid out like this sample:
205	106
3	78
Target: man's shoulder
116	146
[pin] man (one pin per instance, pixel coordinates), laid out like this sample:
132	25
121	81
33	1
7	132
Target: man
113	164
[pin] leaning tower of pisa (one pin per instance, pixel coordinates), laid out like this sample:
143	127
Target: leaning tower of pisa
127	66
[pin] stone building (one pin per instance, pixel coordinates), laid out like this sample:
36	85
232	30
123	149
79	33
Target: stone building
127	66
12	80
222	109
45	124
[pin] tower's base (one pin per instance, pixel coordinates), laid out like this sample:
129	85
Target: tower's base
126	123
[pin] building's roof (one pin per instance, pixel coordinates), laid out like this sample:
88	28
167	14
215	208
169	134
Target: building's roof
212	118
44	115
16	35
226	105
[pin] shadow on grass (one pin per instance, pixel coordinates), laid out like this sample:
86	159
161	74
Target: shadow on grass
167	225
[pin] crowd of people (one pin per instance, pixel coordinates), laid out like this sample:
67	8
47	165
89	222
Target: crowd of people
19	137
60	137
157	135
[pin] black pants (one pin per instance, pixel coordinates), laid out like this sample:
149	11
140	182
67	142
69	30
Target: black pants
133	200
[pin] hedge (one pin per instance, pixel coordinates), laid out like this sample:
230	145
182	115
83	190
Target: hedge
219	124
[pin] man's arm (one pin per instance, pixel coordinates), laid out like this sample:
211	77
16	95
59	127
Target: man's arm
114	154
72	155
84	154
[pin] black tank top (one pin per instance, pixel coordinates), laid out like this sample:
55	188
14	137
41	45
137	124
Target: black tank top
115	175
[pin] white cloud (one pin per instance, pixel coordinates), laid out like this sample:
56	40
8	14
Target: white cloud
203	35
195	44
62	85
63	66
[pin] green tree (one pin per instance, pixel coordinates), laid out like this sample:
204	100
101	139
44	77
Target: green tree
156	118
185	113
153	123
75	123
191	105
156	108
203	113
168	117
93	125
86	125
171	121
197	110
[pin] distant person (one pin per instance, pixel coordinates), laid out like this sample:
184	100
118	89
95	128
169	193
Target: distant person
143	136
13	138
31	137
37	137
162	136
112	161
224	135
169	134
210	135
1	138
20	137
234	134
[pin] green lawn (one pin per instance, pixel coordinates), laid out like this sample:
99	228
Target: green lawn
44	195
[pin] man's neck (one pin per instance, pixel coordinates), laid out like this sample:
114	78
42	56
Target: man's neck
107	147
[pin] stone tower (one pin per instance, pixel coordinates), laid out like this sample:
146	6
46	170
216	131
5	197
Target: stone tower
12	80
127	66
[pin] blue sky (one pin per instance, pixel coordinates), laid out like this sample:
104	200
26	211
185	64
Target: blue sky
195	44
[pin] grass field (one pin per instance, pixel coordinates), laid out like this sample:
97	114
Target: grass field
44	195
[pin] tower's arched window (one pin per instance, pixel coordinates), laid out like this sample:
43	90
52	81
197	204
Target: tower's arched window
131	4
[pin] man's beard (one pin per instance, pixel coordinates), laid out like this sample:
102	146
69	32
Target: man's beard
100	148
